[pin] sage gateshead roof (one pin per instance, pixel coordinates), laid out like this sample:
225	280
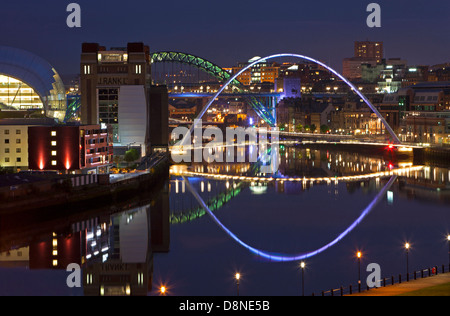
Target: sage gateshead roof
21	69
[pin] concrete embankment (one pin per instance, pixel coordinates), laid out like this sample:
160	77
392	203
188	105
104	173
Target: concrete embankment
64	193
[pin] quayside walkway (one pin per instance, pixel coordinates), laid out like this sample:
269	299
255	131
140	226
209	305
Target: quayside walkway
436	285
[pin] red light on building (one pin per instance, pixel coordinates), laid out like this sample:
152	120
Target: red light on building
67	163
64	148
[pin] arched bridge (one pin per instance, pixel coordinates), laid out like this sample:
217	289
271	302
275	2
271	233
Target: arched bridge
217	72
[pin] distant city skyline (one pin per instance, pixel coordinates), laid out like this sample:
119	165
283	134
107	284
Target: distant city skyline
233	32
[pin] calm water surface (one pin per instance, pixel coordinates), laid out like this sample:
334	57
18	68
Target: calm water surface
284	218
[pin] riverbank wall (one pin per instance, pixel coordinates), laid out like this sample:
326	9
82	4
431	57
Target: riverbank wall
59	192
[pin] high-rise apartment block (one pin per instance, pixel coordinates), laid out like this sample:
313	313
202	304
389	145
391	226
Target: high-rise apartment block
369	49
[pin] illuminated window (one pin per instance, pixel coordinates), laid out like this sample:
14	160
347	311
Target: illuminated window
25	96
53	162
54	143
53	152
138	69
89	278
55	262
55	252
53	133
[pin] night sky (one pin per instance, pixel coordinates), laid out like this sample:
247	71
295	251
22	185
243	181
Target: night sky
226	32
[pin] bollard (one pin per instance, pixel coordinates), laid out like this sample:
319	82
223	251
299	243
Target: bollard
342	291
399	279
332	293
384	282
392	280
415	275
421	273
350	289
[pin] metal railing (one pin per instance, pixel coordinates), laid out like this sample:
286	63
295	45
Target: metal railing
392	280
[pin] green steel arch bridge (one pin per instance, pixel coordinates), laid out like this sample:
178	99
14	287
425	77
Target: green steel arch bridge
267	114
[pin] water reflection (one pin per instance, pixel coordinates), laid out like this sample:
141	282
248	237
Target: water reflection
118	245
114	246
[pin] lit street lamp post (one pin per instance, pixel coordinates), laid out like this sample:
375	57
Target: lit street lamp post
359	255
448	239
302	266
237	277
407	245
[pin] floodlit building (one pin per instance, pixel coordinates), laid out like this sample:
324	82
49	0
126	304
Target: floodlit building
29	83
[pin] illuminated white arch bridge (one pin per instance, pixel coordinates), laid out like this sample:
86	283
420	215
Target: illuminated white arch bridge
278	257
233	78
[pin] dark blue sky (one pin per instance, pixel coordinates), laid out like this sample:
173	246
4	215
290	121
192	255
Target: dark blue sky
226	32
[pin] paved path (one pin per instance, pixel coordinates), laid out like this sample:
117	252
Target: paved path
405	287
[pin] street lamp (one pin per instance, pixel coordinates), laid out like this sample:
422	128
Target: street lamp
359	255
448	239
407	246
237	276
163	290
302	266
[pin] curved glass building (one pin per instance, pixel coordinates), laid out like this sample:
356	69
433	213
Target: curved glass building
28	82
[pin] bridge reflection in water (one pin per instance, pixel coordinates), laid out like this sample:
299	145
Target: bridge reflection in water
317	168
300	168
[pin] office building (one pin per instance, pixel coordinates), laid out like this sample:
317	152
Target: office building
14	146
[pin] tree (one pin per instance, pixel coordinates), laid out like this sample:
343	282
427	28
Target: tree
324	129
299	127
131	155
282	126
313	128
